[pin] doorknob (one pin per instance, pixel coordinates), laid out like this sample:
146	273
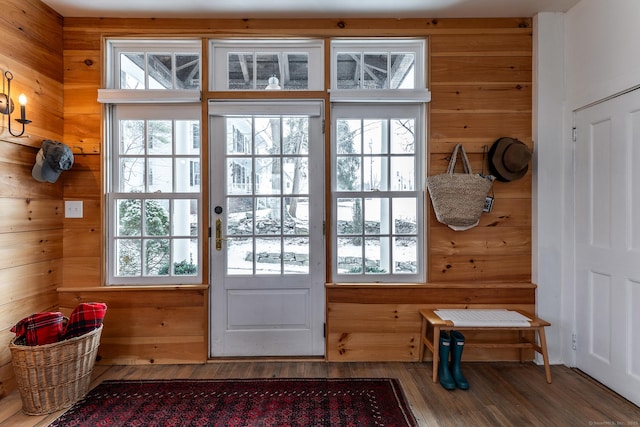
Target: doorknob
219	237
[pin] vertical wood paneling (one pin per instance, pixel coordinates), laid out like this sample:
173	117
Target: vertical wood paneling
31	228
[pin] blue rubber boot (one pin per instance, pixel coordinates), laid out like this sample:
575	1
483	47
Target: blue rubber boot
457	345
446	380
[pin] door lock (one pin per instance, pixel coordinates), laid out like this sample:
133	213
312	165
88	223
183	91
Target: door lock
219	237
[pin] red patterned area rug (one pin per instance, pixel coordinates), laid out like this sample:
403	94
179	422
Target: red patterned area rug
257	402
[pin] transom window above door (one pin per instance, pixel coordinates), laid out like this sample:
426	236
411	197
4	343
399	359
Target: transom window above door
252	65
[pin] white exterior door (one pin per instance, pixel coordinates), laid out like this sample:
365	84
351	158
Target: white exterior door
607	243
267	240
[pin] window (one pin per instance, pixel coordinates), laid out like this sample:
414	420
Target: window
154	198
378	146
266	64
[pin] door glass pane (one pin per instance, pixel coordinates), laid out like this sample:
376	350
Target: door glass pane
296	255
263	176
296	215
268	220
239	256
239	176
239	216
296	175
268	256
239	135
267	135
268	176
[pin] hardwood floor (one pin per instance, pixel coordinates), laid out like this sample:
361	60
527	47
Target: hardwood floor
501	394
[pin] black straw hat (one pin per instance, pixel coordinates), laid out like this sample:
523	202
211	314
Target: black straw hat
509	159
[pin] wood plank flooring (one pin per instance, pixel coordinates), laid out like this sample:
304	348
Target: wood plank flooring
501	394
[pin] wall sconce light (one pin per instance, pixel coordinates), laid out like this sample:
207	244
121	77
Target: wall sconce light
6	106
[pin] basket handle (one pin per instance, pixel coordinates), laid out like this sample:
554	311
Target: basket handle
454	157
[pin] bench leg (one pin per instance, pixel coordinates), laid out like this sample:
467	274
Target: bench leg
436	352
545	356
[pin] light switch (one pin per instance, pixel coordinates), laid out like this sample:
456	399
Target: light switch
73	209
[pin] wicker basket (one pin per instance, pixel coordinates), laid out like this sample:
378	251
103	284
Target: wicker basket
54	376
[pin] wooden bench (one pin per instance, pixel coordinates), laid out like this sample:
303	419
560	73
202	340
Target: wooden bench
432	324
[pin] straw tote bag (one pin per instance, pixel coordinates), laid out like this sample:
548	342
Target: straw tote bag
458	198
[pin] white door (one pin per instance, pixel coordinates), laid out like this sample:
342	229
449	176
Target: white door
607	243
267	216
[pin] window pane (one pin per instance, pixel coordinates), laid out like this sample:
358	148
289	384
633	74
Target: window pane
131	137
160	175
376	173
185	217
129	217
185	255
267	65
375	136
349	136
350	216
348	70
159	136
268	256
268	219
405	255
405	215
402	71
156	257
160	71
128	257
132	71
296	215
296	255
156	217
348	174
298	71
403	173
377	255
375	71
187	71
131	175
349	255
240	74
187	175
187	136
403	136
376	216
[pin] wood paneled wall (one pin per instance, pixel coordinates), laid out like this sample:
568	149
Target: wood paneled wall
32	212
480	75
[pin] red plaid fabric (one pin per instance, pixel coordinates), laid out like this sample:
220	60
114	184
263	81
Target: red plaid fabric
86	317
40	328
